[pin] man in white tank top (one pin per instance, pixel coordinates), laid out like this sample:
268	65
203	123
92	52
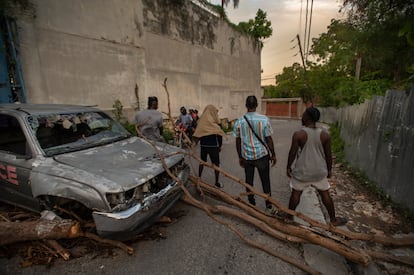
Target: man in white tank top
310	163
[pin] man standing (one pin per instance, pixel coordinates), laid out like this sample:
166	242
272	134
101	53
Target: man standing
187	122
255	148
310	163
149	122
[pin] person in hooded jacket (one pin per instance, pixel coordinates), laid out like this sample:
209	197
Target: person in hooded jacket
210	135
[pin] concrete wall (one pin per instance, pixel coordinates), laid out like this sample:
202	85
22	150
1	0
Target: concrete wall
95	52
379	140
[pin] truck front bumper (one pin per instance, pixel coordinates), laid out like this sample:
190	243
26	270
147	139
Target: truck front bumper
124	224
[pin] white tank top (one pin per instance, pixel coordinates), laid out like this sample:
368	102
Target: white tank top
310	164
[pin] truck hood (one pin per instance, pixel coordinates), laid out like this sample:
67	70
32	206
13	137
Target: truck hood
125	163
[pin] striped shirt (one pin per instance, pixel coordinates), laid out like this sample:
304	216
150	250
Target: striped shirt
251	147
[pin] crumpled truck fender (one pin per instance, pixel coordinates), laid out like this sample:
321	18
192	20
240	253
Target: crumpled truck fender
50	185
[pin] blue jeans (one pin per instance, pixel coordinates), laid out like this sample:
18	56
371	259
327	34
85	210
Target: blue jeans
263	168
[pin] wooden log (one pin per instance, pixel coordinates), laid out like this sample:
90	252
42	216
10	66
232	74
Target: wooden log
392	258
353	254
12	232
216	209
385	240
248	219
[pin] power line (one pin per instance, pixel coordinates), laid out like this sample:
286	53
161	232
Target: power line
306	25
309	32
270	75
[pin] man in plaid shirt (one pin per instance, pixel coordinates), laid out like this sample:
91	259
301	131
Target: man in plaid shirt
255	148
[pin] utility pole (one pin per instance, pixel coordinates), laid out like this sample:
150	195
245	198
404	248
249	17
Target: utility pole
301	52
308	93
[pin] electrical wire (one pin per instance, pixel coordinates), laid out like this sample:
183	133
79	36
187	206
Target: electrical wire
309	32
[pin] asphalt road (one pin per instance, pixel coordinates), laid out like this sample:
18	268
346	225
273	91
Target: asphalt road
196	244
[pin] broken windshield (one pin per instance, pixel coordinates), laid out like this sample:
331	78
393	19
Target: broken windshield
62	133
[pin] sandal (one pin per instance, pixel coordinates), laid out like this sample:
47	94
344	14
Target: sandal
281	215
271	210
340	221
285	217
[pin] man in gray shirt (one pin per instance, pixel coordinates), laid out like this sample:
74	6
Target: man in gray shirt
310	164
148	122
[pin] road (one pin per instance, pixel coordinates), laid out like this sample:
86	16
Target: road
196	244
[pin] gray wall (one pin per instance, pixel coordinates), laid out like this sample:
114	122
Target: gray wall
379	140
95	52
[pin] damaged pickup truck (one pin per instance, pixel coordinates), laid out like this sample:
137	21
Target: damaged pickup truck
80	159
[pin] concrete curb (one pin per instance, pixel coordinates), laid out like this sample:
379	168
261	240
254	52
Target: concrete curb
319	258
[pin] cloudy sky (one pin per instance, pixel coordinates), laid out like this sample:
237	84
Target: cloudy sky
288	19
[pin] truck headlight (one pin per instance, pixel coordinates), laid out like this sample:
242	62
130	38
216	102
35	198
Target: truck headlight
115	198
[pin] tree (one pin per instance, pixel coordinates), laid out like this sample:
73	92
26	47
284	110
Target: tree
385	26
290	83
379	33
260	28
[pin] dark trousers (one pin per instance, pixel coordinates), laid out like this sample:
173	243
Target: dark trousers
263	167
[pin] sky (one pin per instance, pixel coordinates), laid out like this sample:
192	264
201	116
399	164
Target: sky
288	19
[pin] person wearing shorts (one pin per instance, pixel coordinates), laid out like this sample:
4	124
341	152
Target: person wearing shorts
322	184
210	135
310	164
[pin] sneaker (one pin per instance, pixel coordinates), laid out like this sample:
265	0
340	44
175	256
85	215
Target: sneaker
281	215
271	210
252	200
219	185
340	221
284	217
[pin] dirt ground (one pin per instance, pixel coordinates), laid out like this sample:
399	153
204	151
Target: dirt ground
367	213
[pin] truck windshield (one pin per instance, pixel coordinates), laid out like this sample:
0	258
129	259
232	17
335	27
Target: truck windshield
59	133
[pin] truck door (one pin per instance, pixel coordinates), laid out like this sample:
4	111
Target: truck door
15	165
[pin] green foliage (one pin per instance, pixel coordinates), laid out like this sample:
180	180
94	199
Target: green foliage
119	116
291	83
118	111
379	34
383	31
168	135
229	129
260	28
130	127
408	32
337	144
